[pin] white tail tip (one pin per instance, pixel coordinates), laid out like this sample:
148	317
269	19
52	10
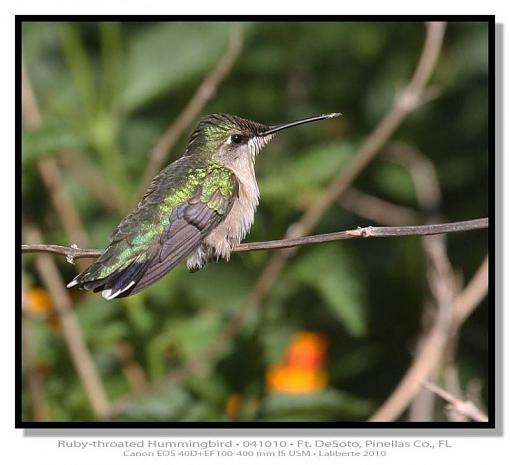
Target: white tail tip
107	293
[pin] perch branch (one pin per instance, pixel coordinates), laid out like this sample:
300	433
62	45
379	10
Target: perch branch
73	252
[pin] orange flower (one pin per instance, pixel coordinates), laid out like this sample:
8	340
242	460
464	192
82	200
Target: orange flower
292	380
38	301
307	350
302	372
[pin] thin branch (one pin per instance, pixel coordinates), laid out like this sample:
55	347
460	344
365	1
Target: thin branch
378	210
463	407
473	293
422	171
72	253
203	94
429	353
80	355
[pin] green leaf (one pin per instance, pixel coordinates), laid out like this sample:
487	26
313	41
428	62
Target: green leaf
187	336
330	404
194	335
166	404
48	139
396	182
100	322
167	54
333	273
305	173
219	286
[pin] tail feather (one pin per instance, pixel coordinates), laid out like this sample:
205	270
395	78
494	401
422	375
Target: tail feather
116	283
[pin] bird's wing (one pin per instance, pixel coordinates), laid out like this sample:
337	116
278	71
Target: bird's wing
132	262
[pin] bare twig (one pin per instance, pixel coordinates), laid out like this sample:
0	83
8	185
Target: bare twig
202	95
73	336
72	253
429	353
378	210
422	171
473	293
463	407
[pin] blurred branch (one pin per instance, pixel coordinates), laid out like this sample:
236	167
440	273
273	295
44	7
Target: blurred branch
431	349
376	209
203	94
79	64
72	253
473	293
49	171
442	280
435	342
422	171
91	178
80	355
463	407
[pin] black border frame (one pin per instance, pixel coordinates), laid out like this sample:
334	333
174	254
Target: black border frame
217	425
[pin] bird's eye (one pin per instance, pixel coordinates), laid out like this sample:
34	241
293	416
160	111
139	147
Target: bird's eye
237	139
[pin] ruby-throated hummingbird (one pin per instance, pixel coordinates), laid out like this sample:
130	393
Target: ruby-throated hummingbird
196	209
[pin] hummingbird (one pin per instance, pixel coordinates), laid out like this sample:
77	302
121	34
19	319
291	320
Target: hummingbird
196	209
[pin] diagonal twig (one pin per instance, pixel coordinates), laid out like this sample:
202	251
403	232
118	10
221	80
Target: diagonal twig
203	94
463	407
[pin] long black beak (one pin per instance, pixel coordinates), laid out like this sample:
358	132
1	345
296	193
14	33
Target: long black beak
279	127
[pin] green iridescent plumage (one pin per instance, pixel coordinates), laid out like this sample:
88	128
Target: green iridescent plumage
134	238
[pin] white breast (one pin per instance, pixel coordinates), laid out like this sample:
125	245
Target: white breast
238	222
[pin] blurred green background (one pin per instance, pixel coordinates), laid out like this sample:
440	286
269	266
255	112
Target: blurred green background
108	91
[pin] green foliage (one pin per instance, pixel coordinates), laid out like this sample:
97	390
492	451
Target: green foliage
48	139
331	271
167	54
322	406
110	90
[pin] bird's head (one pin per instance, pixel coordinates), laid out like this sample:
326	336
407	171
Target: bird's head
229	137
